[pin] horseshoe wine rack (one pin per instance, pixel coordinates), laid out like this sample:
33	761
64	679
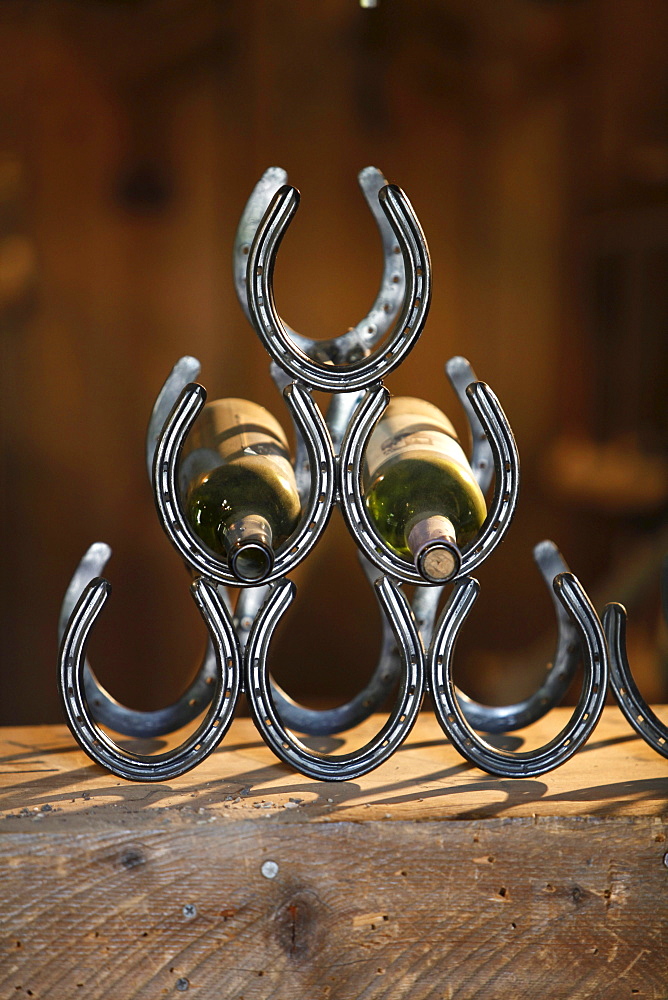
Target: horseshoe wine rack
417	644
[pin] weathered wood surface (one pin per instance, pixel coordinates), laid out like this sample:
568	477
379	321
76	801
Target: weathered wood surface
425	879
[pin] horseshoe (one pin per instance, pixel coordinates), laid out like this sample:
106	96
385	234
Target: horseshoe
632	704
174	522
96	743
586	714
506	484
355	343
103	706
271	726
282	348
560	673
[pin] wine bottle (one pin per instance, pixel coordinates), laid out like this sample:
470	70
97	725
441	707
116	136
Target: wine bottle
239	487
419	489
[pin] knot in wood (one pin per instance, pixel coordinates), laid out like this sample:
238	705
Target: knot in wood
299	923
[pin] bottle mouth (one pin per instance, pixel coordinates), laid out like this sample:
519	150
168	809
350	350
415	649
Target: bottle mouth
439	561
250	561
432	543
250	555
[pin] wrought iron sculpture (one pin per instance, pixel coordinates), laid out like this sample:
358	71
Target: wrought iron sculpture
415	653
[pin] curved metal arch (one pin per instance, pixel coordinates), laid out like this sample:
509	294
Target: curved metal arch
506	461
631	702
560	673
356	342
96	743
185	370
461	376
104	708
586	714
314	518
284	743
272	331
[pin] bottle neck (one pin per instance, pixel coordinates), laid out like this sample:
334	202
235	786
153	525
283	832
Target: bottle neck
248	543
433	545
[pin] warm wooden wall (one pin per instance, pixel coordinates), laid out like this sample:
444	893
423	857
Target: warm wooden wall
130	137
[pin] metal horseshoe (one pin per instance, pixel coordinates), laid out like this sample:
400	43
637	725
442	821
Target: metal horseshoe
272	727
586	714
81	720
103	706
166	492
632	704
358	341
282	348
501	442
560	673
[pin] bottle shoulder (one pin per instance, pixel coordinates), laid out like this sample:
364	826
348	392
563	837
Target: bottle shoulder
411	409
231	426
419	465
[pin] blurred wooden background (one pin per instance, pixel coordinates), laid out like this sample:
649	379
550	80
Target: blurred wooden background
532	140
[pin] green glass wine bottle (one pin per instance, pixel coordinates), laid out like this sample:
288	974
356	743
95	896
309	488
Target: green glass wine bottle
419	489
239	486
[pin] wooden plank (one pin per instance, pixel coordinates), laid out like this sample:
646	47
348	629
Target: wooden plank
615	774
425	879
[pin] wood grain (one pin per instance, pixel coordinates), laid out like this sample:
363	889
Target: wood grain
425	879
